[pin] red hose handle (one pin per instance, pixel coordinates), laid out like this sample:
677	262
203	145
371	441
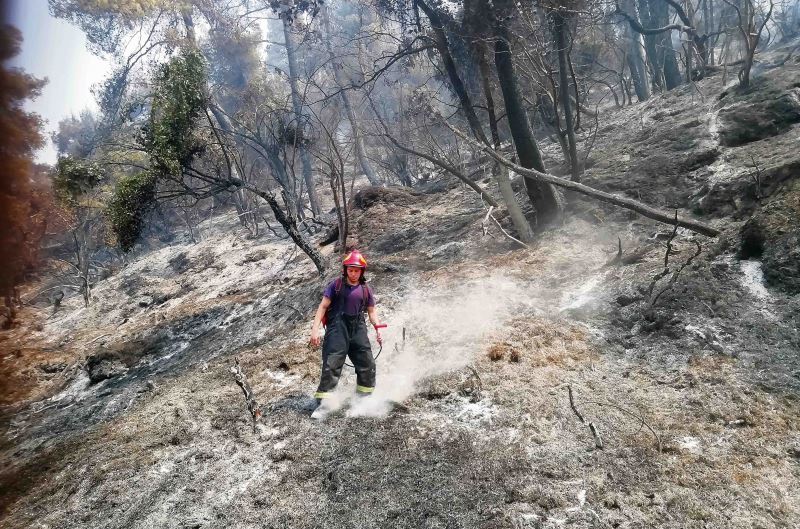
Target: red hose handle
380	326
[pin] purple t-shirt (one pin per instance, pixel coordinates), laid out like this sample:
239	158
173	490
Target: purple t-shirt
351	299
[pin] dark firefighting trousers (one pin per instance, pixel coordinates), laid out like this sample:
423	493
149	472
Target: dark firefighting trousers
346	336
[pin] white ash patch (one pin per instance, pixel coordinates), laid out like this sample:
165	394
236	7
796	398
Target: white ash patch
78	388
690	444
707	333
752	279
462	410
281	379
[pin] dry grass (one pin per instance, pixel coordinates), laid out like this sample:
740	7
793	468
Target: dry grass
542	342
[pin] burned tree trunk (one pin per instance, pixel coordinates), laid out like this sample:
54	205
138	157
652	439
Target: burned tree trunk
542	195
297	106
665	53
358	140
560	29
518	218
635	58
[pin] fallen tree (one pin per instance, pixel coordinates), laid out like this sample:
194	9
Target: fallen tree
623	202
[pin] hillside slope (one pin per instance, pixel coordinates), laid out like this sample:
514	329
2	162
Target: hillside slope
125	414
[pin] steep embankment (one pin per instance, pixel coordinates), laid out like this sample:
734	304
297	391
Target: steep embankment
134	419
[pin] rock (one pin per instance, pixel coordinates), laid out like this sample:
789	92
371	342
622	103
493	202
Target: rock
379	266
53	368
447	251
180	263
396	241
744	191
764	117
369	196
700	158
624	300
162	298
773	236
102	367
145	301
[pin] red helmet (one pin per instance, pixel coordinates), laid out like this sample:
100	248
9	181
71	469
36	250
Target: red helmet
355	258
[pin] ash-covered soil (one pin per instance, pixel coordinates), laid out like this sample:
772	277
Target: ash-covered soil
125	414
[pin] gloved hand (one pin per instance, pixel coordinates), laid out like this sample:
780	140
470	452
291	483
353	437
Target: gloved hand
315	341
378	327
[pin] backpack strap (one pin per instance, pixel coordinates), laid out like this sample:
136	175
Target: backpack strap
365	294
337	288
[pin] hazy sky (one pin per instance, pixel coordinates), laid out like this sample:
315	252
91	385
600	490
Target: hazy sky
55	49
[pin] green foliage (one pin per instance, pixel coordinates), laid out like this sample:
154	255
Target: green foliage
169	138
74	178
179	100
133	197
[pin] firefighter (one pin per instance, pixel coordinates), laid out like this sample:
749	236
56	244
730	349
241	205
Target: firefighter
344	302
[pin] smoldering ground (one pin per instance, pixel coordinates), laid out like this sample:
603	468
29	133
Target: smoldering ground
439	327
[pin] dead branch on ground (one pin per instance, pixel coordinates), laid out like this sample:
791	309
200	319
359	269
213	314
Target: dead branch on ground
473	387
249	397
756	177
632	414
485	222
598	441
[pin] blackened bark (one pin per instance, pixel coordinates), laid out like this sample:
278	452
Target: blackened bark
297	106
698	41
487	91
668	61
500	172
560	29
635	58
655	58
542	195
515	212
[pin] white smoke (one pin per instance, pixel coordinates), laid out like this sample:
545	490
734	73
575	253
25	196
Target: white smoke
445	329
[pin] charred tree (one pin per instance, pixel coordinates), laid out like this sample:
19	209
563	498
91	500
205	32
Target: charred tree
297	106
666	60
559	26
518	218
634	57
358	140
543	196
